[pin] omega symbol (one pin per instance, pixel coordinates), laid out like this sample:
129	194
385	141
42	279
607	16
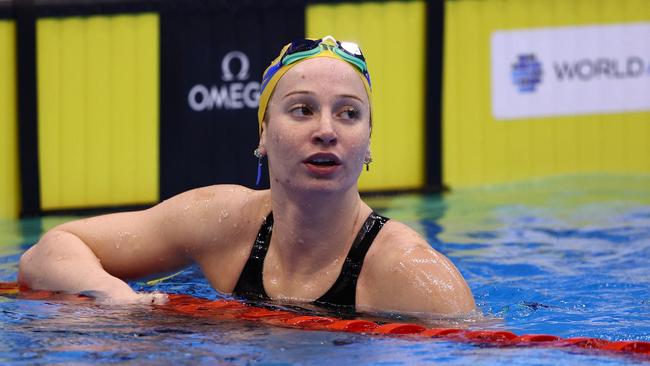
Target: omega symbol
226	71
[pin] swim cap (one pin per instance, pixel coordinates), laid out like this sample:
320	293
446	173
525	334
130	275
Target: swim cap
298	51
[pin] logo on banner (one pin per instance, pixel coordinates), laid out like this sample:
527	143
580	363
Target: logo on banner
235	93
570	70
590	69
527	73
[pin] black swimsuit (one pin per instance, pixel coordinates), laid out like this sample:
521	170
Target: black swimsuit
341	294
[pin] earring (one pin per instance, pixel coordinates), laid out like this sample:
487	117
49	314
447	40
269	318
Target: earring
259	155
367	161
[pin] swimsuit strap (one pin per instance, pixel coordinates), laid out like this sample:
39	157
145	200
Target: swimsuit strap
344	290
341	294
251	283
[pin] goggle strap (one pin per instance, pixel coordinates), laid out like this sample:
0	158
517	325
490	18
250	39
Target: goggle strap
289	59
351	59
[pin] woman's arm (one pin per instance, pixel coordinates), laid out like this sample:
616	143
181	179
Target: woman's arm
97	254
61	261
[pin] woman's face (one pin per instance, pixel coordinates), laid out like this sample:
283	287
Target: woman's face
317	130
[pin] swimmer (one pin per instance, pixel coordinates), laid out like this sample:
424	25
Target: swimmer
308	239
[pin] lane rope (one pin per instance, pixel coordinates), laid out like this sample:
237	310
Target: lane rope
233	309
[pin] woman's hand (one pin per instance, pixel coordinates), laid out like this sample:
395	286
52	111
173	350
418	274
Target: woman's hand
129	297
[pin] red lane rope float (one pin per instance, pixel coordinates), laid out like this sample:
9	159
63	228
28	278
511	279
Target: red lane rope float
232	309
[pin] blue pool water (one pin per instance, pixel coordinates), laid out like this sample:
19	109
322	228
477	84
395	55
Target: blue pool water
564	256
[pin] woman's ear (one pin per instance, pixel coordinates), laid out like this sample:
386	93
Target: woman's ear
262	144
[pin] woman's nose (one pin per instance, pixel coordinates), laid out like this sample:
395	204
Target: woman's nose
325	133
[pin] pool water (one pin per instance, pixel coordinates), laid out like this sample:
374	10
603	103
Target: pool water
567	256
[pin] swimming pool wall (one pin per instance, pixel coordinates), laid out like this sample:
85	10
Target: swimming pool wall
126	103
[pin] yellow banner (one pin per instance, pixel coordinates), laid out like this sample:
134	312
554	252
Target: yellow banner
9	186
98	110
478	149
392	36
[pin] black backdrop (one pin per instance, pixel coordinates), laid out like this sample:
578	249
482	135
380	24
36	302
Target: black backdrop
208	110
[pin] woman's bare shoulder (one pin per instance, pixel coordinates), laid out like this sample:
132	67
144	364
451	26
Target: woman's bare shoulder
217	210
223	200
402	272
399	235
218	193
396	245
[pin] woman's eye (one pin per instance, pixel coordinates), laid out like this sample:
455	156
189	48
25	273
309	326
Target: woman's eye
349	113
301	111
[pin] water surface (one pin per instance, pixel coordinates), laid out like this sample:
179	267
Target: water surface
564	256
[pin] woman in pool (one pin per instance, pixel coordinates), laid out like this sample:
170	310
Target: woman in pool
327	246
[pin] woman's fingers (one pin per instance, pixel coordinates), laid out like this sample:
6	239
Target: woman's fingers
132	297
155	298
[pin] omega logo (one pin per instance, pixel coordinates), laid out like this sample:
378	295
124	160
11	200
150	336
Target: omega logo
235	94
226	72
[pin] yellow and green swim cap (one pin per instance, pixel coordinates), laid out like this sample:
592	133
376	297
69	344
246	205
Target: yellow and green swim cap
297	51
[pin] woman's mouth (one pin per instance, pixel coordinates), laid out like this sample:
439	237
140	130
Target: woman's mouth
322	164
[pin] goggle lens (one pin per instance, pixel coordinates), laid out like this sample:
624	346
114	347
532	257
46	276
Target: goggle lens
352	48
301	45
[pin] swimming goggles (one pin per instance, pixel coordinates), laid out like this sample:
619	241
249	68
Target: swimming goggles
305	48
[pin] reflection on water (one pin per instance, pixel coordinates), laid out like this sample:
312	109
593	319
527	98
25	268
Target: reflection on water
564	256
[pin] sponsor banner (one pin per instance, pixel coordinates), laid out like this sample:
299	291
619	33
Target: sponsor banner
570	71
212	59
235	91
